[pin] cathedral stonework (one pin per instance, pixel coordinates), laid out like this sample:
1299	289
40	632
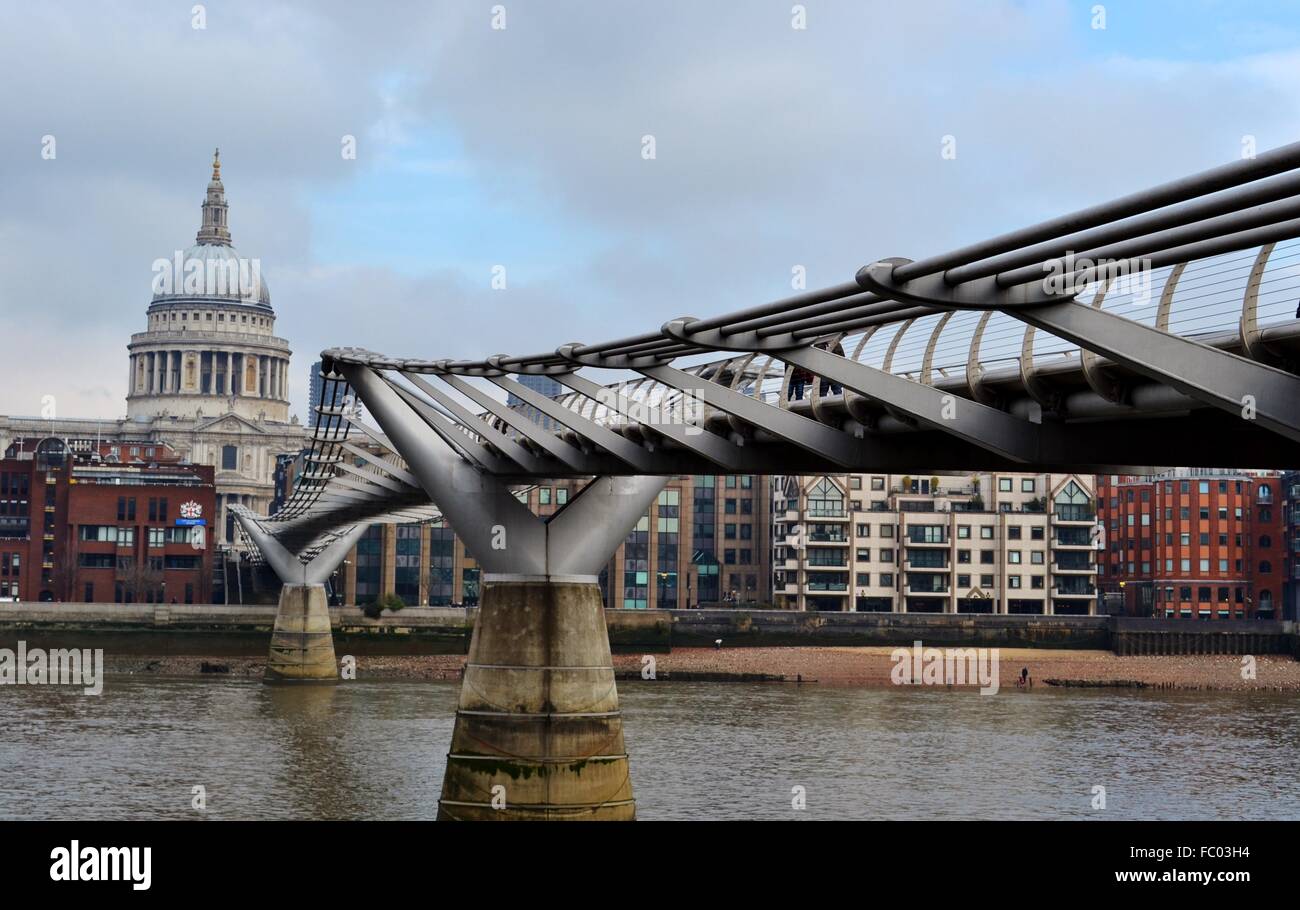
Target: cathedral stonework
210	346
208	376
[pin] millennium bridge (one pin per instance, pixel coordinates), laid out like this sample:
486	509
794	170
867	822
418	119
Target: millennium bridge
1099	341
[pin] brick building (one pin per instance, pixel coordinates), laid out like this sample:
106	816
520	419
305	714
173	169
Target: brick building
1195	544
100	524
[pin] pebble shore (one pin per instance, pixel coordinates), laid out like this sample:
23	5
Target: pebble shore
823	666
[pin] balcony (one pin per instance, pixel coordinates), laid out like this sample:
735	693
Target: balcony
925	560
1065	589
912	591
929	536
817	587
925	585
1071	569
1057	545
823	537
1074	515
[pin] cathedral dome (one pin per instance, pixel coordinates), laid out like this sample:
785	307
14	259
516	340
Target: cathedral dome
215	272
212	269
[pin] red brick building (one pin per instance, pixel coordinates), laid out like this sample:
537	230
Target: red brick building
104	525
1193	544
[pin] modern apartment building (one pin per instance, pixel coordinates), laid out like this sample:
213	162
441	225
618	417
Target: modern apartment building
946	543
1195	543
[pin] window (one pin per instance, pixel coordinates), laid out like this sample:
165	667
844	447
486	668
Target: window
963	532
986	532
1013	557
229	458
544	496
1004	484
824	499
561	496
1026	485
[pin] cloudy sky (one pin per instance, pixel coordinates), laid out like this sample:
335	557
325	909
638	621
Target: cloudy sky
522	147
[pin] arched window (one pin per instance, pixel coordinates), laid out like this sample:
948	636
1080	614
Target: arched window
1265	567
1072	503
1265	493
825	499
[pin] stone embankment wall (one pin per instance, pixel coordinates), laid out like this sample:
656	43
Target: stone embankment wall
219	630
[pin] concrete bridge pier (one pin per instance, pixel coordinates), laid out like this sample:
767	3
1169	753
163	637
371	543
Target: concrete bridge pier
538	732
302	642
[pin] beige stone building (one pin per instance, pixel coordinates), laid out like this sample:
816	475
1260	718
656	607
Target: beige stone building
955	543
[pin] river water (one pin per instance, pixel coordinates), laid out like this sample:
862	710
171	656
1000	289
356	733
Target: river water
375	749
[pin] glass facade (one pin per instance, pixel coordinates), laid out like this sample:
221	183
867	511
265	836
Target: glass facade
442	565
703	533
406	580
370	566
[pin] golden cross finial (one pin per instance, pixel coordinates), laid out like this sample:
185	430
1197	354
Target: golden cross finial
216	165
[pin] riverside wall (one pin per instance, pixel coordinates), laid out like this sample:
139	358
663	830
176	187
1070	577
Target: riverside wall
218	630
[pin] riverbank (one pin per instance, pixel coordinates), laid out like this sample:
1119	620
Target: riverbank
830	666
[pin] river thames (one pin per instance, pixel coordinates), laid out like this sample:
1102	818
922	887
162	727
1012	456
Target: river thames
376	750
